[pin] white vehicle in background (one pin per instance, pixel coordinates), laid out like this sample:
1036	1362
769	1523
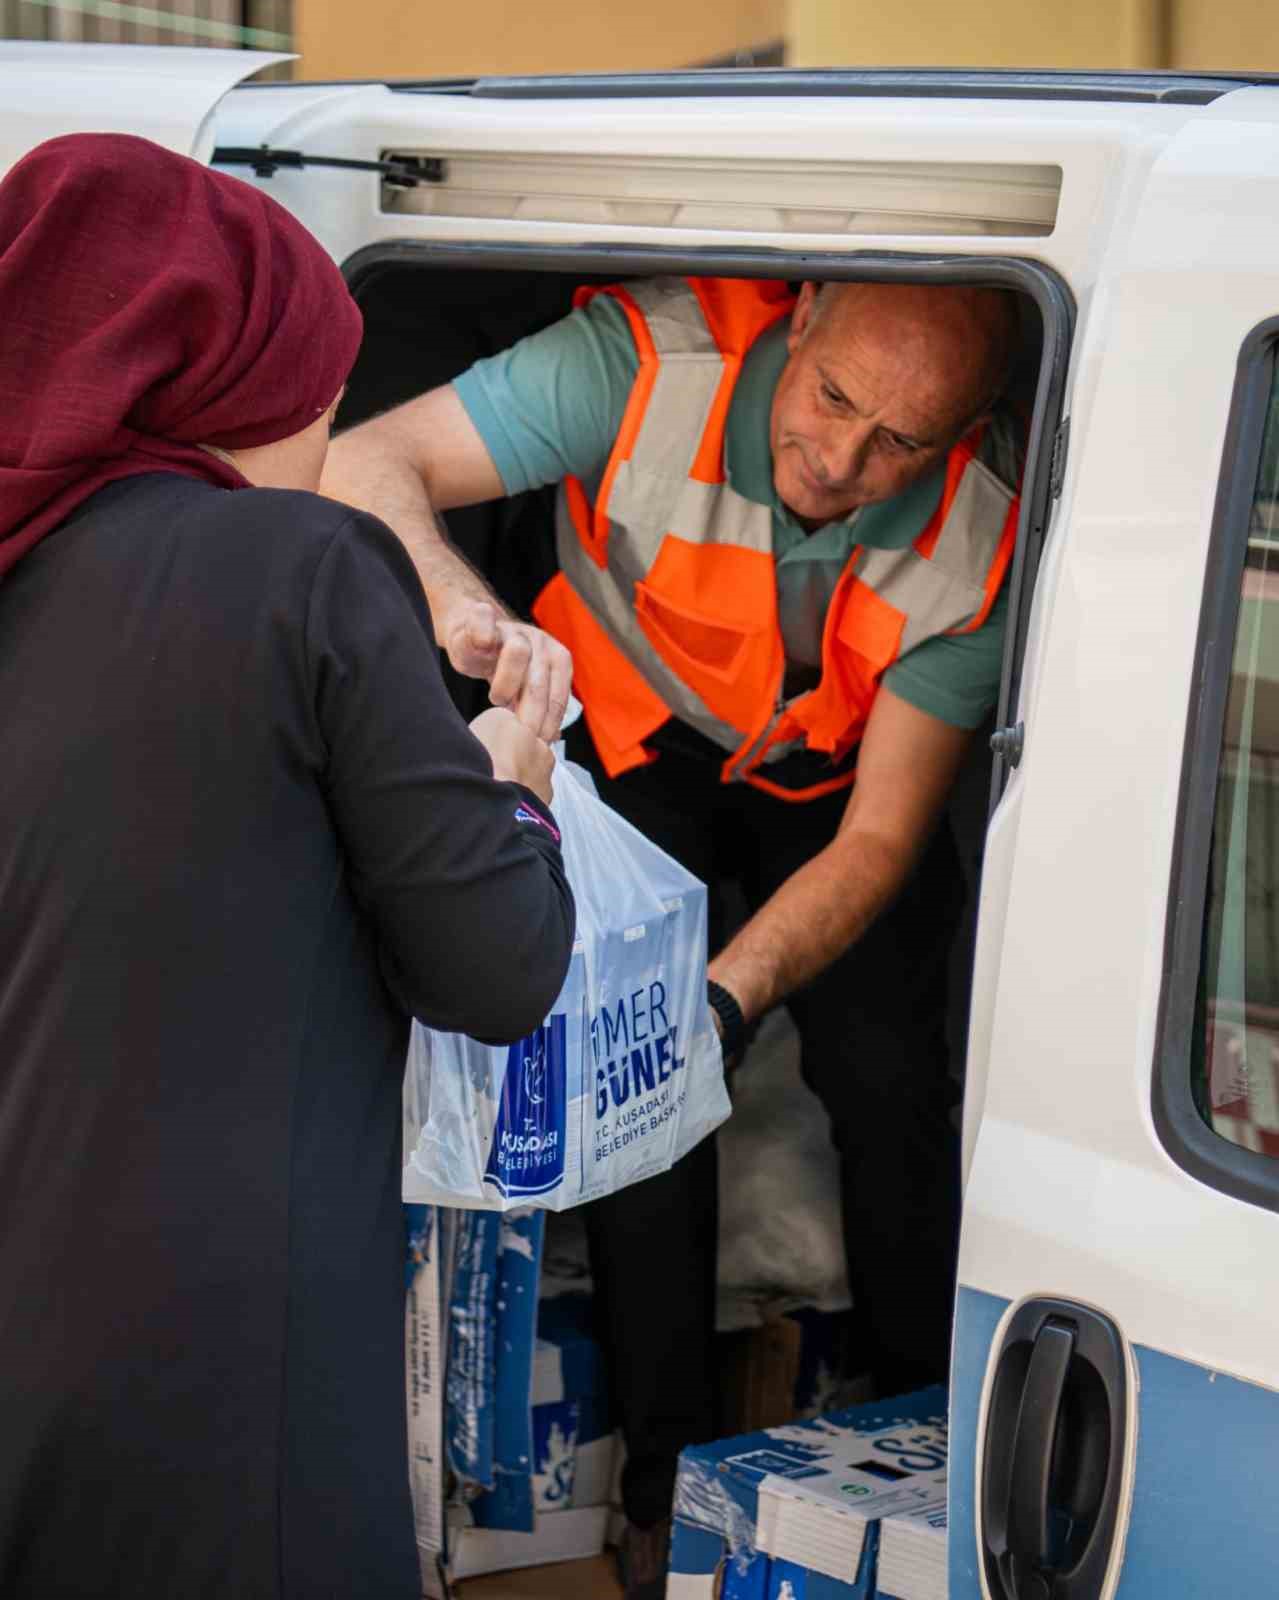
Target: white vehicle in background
1115	1377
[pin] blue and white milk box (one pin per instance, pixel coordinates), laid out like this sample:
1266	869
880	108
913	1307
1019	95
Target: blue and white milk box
794	1513
424	1339
912	1554
574	1442
553	1389
511	1449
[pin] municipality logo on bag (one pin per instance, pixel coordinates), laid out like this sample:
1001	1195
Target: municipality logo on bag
634	1046
527	1154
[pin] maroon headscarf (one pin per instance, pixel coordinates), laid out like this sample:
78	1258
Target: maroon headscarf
149	305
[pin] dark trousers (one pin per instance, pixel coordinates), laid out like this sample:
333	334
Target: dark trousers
872	1032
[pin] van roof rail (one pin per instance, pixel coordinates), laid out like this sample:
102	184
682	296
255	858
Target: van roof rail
1177	88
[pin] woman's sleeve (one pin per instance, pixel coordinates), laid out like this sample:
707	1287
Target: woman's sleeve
460	875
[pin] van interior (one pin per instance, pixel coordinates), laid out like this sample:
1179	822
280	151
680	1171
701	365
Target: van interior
426	322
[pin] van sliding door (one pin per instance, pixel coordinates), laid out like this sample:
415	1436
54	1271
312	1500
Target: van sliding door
1115	1414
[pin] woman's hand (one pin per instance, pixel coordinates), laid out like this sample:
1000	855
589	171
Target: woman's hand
518	756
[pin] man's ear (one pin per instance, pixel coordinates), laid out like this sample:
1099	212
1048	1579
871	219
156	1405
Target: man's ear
801	319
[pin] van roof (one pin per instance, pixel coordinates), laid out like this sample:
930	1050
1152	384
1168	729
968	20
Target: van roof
1175	88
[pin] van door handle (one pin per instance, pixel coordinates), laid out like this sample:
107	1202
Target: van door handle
1037	1421
1052	1478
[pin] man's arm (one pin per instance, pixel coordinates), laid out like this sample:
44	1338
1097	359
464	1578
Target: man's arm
905	768
404	466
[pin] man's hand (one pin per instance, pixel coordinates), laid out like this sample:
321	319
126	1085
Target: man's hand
527	670
406	466
906	765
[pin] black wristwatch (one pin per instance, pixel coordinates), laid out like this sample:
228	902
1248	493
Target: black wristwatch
729	1012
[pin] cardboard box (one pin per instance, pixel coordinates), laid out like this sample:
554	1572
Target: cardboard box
511	1449
560	1536
794	1364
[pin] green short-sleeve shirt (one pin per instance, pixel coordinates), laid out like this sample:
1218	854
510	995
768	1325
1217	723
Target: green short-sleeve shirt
552	404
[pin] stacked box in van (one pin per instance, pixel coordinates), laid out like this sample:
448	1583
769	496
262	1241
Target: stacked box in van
798	1512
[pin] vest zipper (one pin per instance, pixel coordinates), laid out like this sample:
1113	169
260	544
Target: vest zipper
745	756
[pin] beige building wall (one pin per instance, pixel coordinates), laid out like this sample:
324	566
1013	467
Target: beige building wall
425	38
1243	34
1202	34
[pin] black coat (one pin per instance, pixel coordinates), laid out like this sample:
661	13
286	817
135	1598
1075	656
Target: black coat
242	835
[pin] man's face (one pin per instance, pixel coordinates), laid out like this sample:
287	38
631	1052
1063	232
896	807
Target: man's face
868	401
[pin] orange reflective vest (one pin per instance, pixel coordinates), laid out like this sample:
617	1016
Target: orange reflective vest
666	594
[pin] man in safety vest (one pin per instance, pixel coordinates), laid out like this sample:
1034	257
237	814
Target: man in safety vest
782	526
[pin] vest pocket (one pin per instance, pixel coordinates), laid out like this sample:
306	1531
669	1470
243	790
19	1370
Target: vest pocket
727	668
870	628
688	640
708	611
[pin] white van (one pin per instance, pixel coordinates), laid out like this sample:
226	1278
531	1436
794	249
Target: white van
1115	1378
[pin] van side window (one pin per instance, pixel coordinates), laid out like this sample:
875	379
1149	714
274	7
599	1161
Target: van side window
1235	1055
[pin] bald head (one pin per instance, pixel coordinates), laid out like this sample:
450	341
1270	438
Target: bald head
965	334
881	380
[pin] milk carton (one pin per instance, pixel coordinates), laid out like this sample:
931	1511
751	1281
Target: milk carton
511	1448
795	1513
912	1553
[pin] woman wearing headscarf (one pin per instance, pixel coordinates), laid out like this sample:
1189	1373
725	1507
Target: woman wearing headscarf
243	836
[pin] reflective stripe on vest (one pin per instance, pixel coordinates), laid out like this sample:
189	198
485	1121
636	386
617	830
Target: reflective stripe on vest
667	590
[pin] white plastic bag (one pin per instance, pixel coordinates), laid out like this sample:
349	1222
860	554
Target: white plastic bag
624	1076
